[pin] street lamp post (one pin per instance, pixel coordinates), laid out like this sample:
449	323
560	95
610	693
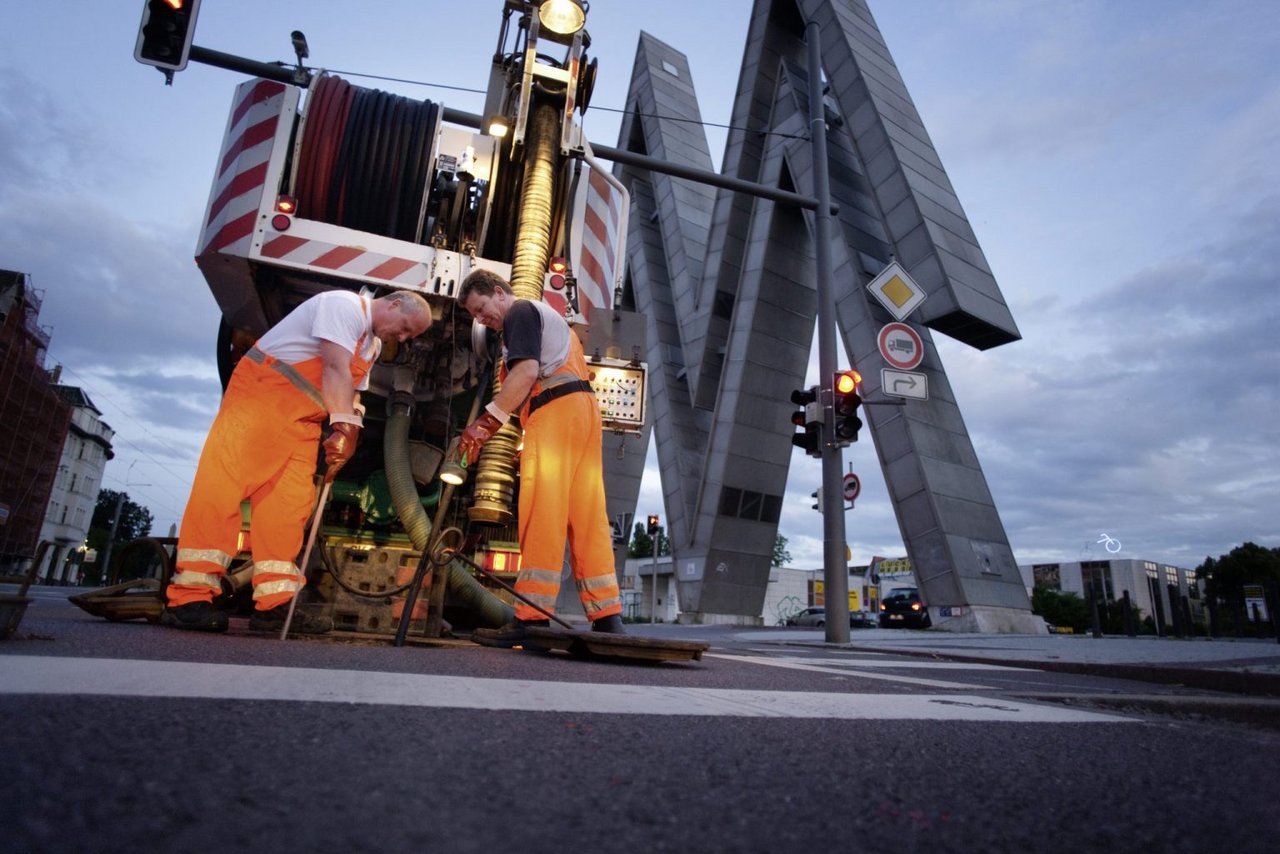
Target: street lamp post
105	567
653	593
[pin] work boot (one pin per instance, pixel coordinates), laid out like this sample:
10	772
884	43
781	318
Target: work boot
514	633
272	620
194	616
611	624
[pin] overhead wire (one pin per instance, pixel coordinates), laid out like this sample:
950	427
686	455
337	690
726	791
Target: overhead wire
624	112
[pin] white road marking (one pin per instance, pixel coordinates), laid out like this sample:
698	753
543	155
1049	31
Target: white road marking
774	649
802	664
126	678
917	663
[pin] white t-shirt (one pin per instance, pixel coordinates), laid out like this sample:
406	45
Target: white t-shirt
334	316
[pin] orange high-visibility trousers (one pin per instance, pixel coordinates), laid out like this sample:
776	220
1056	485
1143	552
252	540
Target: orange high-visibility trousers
562	496
262	446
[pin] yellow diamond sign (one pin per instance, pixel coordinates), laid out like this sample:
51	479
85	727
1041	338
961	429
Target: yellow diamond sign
896	291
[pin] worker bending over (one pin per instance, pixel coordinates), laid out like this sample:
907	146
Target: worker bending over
545	380
262	447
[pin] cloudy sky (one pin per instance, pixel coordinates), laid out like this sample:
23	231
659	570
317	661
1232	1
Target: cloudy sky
1120	163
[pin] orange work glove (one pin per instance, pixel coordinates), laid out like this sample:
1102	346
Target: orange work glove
477	433
340	447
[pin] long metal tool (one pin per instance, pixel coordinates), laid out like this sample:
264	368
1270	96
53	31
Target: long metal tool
316	516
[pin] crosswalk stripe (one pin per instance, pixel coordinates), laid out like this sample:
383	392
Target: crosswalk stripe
128	678
904	664
794	664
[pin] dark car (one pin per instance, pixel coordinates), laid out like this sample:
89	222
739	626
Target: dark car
904	607
861	620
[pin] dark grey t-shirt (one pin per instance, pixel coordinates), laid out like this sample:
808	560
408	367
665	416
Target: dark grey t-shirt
535	330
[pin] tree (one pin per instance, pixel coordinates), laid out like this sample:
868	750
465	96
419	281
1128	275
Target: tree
1245	564
1060	609
641	544
135	521
1225	579
781	557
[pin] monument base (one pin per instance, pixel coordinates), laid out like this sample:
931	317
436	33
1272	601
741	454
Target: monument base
987	619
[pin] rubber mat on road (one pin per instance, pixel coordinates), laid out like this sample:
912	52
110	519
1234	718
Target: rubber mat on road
588	644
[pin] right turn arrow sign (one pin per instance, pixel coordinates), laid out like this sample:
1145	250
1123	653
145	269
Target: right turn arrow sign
904	384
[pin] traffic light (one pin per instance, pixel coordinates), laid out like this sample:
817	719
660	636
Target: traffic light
816	495
653	524
845	401
809	420
164	37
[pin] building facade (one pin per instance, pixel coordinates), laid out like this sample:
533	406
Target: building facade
75	488
34	421
1165	593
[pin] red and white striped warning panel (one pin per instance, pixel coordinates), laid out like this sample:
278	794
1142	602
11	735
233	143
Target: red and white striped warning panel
333	250
256	130
296	250
594	241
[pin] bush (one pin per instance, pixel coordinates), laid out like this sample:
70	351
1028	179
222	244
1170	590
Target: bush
1060	609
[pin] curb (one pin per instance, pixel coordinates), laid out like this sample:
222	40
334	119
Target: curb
1229	681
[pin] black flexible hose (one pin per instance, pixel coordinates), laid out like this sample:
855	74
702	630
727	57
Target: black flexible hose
489	609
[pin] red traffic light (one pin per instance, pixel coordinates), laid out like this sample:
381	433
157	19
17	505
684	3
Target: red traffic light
165	34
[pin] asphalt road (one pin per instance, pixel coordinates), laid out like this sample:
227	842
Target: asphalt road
126	736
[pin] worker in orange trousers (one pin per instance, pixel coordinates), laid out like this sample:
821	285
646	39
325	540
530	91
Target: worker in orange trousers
561	474
306	370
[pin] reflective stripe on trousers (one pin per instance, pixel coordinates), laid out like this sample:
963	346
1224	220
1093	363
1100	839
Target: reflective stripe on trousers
261	447
540	586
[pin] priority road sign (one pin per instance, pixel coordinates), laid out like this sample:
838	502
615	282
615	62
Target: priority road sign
904	384
896	291
901	346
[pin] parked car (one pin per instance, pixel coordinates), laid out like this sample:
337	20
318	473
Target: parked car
904	607
816	616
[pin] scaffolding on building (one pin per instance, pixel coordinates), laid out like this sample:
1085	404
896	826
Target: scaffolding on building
34	420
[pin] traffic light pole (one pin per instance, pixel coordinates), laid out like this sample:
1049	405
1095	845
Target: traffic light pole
835	571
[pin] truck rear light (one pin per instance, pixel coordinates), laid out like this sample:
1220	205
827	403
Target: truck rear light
557	267
286	205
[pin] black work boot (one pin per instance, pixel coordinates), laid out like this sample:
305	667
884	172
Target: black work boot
195	616
272	620
512	634
611	624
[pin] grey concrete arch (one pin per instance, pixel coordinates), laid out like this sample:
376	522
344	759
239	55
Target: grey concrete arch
725	282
